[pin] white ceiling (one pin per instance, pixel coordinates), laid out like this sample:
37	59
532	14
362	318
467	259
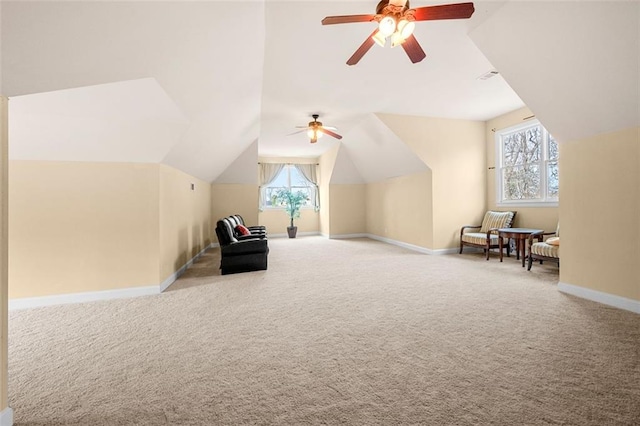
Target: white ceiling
195	84
236	72
579	71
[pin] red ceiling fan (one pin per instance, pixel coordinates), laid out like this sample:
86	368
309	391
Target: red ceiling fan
396	20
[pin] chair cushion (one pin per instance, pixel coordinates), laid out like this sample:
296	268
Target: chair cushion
242	230
544	249
479	238
553	241
496	220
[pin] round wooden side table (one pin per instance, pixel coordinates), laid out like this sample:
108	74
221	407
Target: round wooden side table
520	235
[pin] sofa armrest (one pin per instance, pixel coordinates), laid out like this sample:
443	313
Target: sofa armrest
255	245
251	237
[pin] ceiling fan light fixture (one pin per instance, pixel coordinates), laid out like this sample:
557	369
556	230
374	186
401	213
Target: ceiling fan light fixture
314	135
396	39
405	28
387	25
379	38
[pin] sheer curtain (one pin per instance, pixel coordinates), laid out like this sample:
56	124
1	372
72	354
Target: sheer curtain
268	173
310	173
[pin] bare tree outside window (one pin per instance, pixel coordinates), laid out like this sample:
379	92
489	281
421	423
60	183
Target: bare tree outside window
528	165
552	169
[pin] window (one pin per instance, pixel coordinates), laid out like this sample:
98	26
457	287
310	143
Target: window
289	178
528	166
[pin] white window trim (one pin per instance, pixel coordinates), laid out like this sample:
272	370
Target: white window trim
542	202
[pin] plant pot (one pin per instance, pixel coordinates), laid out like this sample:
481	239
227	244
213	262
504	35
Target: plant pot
292	231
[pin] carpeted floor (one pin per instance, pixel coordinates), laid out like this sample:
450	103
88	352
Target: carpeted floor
352	332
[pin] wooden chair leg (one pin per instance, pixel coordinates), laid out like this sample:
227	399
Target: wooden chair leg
530	262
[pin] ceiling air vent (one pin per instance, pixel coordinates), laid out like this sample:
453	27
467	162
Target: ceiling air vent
488	75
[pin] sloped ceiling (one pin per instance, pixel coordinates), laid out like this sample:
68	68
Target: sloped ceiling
242	71
244	169
125	121
213	77
344	171
377	153
575	64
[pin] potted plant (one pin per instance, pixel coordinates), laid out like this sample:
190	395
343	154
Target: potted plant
292	201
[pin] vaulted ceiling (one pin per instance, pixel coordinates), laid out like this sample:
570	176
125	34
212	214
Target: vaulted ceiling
198	85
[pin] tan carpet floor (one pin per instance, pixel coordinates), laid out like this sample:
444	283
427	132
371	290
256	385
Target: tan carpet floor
352	332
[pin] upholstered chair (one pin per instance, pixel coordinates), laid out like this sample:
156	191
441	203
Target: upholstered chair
549	249
486	236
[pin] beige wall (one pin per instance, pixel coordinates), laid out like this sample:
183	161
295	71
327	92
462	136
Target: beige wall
454	150
4	250
77	227
348	209
277	220
527	217
600	213
327	163
228	199
400	209
185	219
80	227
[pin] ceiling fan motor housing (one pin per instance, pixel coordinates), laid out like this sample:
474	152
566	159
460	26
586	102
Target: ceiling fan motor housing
315	123
380	8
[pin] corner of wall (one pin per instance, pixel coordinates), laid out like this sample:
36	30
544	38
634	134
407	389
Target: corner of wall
6	417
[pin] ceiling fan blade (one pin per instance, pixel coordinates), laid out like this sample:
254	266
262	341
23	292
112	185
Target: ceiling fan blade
329	132
299	131
413	49
347	19
330	127
302	127
445	11
364	48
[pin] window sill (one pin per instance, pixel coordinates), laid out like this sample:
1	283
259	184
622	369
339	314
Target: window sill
282	208
528	204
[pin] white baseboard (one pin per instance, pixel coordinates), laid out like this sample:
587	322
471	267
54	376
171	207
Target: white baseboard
6	417
173	277
394	242
345	236
400	244
299	234
601	297
89	296
92	296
